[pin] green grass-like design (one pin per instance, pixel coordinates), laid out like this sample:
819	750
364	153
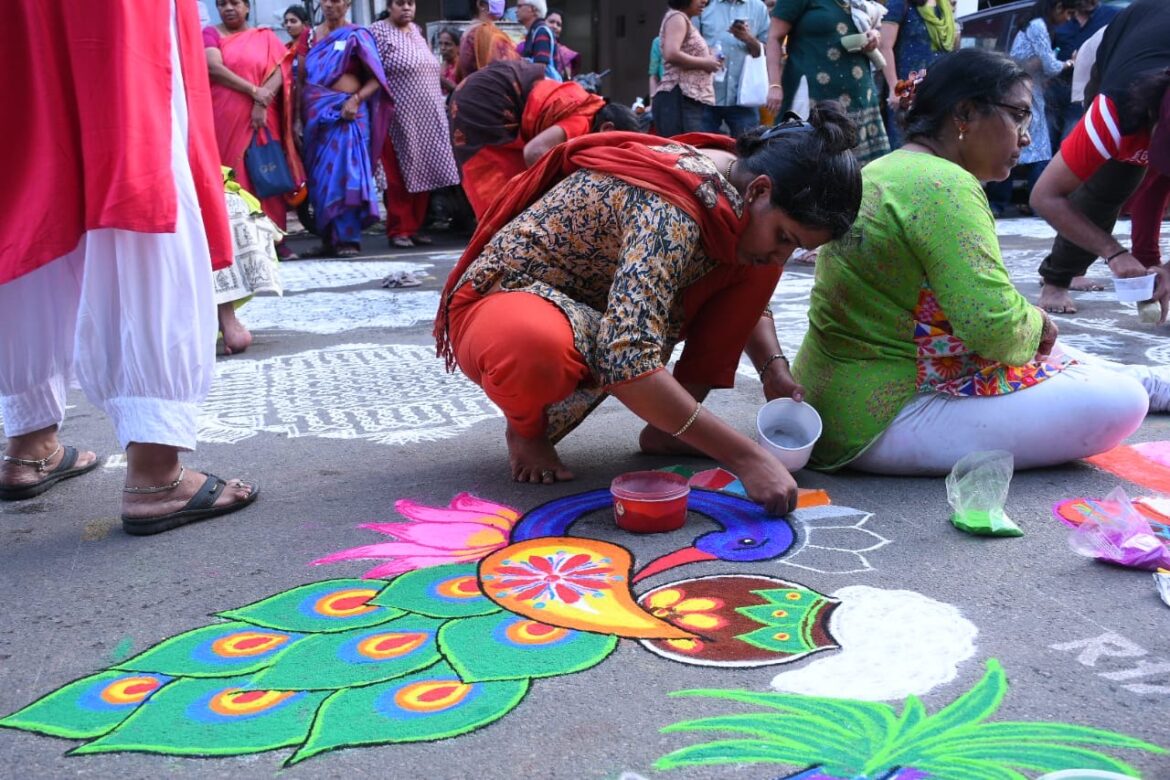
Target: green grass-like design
850	739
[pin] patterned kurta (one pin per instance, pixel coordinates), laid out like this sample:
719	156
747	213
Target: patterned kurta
613	257
915	298
913	49
1034	41
815	52
418	131
617	260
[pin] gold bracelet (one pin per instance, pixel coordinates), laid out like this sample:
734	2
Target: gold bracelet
777	86
690	421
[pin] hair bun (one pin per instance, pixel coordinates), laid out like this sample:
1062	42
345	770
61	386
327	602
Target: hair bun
837	131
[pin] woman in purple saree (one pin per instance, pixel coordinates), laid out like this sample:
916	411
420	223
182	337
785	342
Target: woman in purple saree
346	109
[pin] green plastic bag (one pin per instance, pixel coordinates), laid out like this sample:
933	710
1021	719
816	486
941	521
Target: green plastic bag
977	489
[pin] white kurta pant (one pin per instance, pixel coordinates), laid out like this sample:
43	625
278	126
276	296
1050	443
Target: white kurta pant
1082	411
130	315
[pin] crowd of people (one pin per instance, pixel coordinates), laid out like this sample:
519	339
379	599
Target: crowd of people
605	249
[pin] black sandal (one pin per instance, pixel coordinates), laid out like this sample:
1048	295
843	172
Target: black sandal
66	469
200	507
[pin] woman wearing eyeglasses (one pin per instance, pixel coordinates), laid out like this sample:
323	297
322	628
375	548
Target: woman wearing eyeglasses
920	350
584	275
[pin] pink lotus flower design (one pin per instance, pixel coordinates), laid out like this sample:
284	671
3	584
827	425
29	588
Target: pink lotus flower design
466	530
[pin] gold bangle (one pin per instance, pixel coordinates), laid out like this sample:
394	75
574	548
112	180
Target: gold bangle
690	421
777	86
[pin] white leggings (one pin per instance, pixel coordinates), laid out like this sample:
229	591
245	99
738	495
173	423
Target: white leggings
1082	411
131	315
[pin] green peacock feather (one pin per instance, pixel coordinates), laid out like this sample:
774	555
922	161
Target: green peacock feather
324	666
843	738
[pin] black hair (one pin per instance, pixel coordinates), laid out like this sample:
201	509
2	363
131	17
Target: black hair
622	116
556	11
816	180
384	13
298	11
678	5
452	31
1041	9
974	76
1143	101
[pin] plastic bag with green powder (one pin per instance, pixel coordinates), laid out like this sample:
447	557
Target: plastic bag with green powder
977	489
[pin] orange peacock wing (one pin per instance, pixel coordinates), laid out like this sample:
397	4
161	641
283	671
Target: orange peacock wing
583	584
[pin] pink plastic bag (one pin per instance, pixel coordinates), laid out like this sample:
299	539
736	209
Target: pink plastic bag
1115	532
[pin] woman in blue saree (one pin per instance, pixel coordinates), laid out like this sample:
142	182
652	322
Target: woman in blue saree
345	110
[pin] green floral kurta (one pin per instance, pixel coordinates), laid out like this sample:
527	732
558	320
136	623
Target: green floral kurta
815	52
915	298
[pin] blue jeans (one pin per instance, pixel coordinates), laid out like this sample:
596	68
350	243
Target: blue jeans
739	119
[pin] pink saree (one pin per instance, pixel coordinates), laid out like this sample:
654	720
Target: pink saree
252	55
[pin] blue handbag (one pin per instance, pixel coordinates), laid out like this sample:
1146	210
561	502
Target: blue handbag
267	167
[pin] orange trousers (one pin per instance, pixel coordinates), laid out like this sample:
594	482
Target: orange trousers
519	348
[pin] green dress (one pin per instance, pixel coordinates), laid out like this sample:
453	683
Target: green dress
914	299
815	52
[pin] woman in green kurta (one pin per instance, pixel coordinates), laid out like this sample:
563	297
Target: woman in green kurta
813	29
920	349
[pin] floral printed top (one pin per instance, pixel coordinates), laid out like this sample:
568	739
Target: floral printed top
1035	41
613	257
914	299
912	49
832	73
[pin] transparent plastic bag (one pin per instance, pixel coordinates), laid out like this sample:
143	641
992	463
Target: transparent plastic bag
977	489
1114	531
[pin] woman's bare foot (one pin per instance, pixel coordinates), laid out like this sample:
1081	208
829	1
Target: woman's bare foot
535	460
655	442
35	446
1056	300
236	338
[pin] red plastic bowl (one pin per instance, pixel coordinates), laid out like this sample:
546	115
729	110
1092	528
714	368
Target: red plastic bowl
650	502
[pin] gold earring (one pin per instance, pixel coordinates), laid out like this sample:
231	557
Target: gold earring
962	133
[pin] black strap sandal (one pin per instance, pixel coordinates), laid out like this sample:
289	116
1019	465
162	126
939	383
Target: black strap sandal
66	469
200	507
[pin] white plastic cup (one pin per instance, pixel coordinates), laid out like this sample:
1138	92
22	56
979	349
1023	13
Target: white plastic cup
854	42
788	430
1135	288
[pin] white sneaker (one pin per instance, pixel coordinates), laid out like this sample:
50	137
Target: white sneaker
1156	380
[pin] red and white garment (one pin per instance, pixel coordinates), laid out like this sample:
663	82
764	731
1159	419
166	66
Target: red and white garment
1097	138
114	220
